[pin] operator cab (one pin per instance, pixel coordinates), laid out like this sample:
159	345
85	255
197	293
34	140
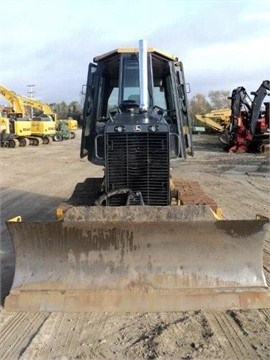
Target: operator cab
114	94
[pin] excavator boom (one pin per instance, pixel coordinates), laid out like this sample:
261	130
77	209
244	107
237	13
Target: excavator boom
216	120
47	110
13	98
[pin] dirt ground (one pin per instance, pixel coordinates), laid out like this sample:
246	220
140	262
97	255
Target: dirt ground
34	180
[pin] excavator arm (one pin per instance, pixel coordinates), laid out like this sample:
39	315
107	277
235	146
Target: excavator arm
259	96
45	108
247	128
217	119
13	99
239	99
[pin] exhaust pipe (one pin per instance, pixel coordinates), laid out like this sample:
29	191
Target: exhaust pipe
143	75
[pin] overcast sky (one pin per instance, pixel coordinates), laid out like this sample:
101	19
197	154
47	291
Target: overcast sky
49	43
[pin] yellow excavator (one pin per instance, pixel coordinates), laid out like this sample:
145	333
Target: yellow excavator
15	133
72	124
64	128
216	120
137	239
38	131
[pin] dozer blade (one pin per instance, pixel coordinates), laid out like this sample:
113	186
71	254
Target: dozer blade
123	259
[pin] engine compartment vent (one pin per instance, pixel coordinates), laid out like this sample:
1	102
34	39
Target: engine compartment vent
140	162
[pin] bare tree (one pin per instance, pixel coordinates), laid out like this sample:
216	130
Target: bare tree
219	99
199	105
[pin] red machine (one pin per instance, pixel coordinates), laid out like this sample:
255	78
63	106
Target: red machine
249	126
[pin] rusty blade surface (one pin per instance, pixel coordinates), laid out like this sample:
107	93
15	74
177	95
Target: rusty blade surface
137	252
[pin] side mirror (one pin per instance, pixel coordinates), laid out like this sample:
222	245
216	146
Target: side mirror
83	91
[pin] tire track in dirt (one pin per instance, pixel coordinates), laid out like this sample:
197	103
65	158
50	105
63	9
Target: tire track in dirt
265	314
231	337
147	332
256	328
25	324
137	336
68	336
185	335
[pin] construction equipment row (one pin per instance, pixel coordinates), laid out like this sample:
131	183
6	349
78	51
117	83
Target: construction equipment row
18	129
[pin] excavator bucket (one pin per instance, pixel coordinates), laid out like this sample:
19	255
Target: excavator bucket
138	259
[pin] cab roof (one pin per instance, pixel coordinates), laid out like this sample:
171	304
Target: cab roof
135	50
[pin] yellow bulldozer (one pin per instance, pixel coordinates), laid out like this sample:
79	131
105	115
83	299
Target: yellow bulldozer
129	241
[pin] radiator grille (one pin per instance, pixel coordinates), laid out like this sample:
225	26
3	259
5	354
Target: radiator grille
139	162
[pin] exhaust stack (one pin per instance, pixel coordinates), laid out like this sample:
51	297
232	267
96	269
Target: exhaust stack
143	75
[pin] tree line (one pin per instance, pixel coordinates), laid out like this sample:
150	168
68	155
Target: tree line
198	104
216	99
64	110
